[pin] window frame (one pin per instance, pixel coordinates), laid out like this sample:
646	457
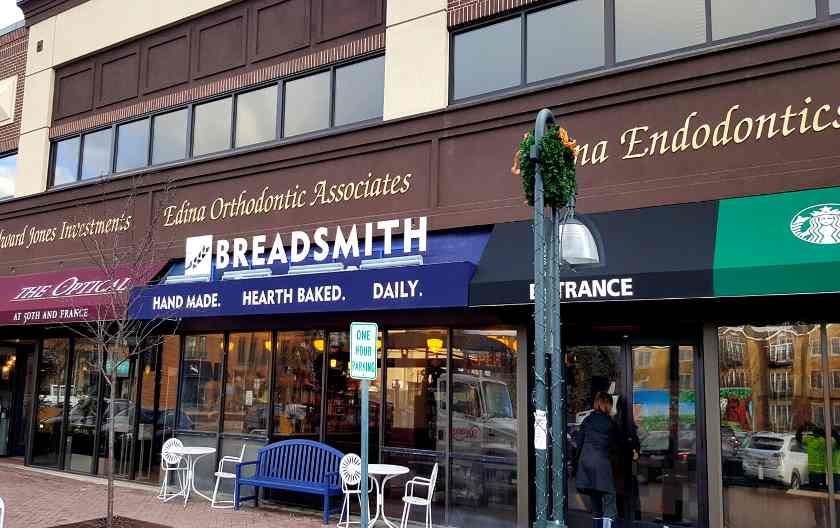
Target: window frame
611	65
279	140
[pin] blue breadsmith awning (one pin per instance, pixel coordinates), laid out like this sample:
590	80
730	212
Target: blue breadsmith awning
436	278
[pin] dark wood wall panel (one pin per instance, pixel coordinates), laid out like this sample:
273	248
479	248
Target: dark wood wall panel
76	88
166	62
337	18
235	39
220	43
118	78
268	16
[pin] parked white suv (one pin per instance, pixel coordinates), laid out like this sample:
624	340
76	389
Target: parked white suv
778	457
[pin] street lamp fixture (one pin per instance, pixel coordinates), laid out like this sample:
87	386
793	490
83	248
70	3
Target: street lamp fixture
577	244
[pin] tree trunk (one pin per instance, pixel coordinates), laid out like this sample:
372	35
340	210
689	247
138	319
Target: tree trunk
113	374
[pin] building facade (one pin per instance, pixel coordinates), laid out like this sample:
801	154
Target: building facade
302	164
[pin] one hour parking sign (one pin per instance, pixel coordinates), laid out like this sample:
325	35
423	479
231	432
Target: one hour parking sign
363	340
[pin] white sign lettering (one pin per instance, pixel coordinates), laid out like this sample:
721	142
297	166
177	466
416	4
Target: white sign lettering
265	251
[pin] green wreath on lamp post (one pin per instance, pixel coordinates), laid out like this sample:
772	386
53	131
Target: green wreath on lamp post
557	156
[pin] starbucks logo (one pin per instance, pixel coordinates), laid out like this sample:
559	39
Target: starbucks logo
818	224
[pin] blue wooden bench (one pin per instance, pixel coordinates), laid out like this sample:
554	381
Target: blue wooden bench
293	465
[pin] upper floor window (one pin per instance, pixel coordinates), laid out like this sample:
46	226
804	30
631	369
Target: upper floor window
336	96
730	19
649	27
8	172
572	36
488	59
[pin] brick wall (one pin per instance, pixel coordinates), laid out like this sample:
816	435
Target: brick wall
465	11
13	62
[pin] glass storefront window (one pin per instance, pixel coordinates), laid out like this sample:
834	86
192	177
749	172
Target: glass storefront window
416	416
484	428
248	376
51	402
297	388
201	382
773	434
344	400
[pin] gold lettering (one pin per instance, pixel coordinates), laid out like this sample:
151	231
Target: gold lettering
723	126
816	124
771	129
786	130
599	153
633	141
803	125
680	140
662	139
740	138
707	132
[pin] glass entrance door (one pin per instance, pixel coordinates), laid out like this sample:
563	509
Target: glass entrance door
654	465
663	482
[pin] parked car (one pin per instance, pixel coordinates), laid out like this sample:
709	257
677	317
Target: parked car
777	457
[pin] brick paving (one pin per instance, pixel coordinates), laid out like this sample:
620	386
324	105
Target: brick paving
39	499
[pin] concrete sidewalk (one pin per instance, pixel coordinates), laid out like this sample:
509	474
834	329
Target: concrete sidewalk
40	499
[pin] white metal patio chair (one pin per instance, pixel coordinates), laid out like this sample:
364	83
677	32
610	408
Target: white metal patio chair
171	463
410	499
350	471
221	474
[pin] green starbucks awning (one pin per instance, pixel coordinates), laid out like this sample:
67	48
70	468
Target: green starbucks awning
785	243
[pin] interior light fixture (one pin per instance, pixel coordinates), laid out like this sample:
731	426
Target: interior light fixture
185	279
434	343
392	262
318	344
306	269
259	273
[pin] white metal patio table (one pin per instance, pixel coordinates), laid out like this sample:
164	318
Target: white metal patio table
385	472
192	456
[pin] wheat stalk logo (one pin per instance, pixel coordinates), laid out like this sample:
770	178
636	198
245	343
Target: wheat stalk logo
199	257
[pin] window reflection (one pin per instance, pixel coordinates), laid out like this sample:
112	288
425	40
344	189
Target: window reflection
211	126
484	428
51	402
307	104
8	173
96	154
201	381
256	116
132	145
773	435
170	136
297	390
82	418
416	364
66	169
344	400
248	372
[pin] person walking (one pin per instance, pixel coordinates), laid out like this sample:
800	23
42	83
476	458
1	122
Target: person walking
597	436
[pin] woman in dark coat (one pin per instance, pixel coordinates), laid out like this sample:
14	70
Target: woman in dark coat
598	435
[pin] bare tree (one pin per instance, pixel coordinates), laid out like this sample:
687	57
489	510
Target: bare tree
127	255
